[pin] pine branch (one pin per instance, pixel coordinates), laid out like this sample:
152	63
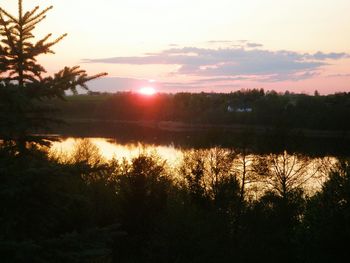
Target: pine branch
8	15
9	39
50	44
28	28
32	23
41	42
39	15
22	87
28	14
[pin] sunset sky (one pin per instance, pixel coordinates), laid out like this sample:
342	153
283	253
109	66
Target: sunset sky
202	45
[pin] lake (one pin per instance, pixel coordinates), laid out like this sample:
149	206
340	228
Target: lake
111	148
310	177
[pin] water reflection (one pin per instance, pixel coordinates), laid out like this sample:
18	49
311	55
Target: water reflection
110	149
276	171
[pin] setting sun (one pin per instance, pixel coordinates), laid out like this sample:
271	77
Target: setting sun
149	91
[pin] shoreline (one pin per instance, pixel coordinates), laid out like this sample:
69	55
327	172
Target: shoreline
183	127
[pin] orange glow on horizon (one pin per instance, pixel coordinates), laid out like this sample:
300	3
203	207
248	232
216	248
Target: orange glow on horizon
148	91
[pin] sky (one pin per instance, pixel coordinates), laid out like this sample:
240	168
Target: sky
201	45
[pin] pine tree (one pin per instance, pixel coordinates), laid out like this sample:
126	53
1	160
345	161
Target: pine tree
26	90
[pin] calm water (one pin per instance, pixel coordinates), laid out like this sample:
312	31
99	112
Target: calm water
109	149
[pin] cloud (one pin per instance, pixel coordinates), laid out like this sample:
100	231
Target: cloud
220	42
290	77
253	45
253	64
198	86
114	84
323	56
339	75
236	44
117	84
225	79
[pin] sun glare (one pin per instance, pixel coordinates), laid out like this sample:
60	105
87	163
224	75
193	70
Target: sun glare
148	91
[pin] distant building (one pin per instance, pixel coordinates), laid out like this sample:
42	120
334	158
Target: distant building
230	109
245	109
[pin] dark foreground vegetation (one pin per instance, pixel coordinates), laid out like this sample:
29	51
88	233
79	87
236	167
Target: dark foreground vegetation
83	209
250	107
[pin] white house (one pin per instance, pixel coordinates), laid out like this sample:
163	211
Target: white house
244	109
232	109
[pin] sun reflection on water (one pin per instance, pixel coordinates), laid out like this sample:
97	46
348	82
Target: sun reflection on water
110	149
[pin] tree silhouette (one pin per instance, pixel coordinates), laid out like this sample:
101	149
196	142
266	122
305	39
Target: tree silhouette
25	88
193	169
327	218
284	173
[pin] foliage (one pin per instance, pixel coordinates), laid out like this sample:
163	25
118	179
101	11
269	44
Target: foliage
327	219
273	111
25	88
48	211
285	173
80	210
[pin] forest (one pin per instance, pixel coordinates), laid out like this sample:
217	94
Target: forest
244	107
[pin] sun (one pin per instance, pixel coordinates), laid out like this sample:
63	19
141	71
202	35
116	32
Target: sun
148	91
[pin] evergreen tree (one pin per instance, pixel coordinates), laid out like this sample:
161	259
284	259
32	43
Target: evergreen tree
25	88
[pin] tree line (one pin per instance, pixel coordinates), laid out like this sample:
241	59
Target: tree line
268	109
